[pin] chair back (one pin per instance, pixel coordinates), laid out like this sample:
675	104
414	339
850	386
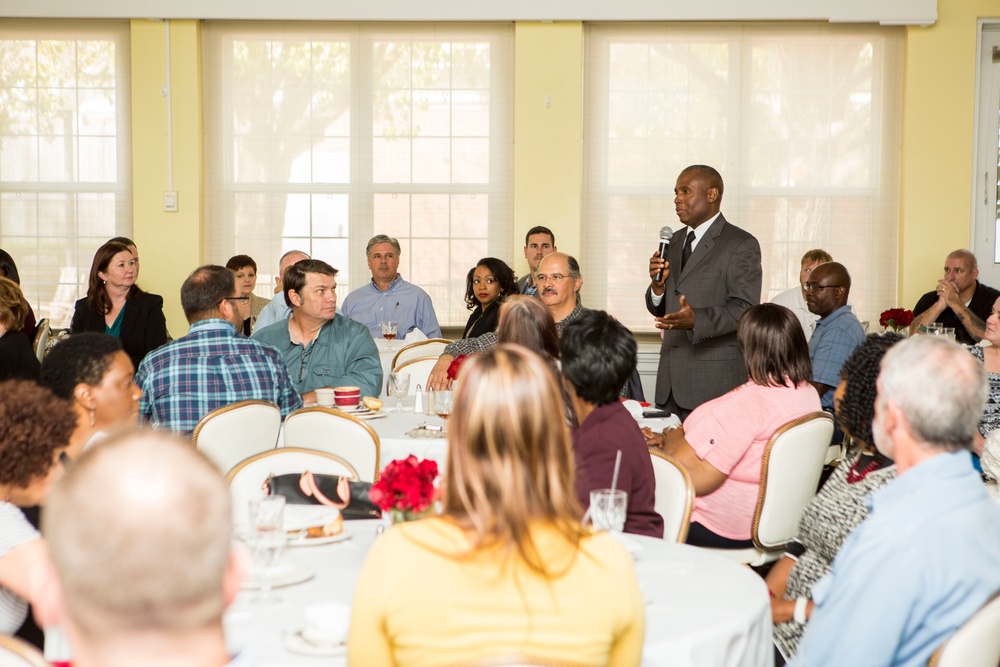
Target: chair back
976	643
338	433
432	347
674	497
246	480
419	370
793	461
233	432
16	652
42	334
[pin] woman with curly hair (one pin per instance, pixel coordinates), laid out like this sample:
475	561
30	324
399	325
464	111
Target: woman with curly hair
513	574
489	282
115	305
839	506
35	427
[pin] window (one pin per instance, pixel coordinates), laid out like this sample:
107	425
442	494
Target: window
65	174
319	136
801	121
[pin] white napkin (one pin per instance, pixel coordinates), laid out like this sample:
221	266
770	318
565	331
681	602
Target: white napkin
300	517
415	336
634	408
327	622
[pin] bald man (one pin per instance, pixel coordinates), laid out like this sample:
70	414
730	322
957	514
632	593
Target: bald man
142	565
279	309
959	301
838	330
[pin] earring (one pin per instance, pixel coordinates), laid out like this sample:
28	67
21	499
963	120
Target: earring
93	420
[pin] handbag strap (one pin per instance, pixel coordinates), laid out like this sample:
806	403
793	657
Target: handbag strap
307	482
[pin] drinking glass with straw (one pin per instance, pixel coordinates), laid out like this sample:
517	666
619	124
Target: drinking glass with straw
608	506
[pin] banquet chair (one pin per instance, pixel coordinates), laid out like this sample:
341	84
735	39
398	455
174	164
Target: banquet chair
233	432
246	480
674	496
790	470
15	652
432	347
976	643
42	335
419	370
339	433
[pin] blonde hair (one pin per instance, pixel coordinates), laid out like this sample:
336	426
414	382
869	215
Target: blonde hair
139	531
509	455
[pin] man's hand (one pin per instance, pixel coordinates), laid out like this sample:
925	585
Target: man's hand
309	398
947	293
657	264
438	378
682	319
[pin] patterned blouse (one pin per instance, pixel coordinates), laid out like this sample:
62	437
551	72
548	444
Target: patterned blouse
826	521
991	418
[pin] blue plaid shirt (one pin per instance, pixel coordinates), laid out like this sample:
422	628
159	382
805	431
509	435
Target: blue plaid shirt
211	367
835	338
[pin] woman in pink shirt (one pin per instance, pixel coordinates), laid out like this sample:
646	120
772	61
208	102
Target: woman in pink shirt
722	442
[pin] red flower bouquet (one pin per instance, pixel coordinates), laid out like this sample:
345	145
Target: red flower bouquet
896	319
406	488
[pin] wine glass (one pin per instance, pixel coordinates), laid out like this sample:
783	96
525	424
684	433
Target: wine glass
399	386
389	330
267	541
442	404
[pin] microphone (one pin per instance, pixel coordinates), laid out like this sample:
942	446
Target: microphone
665	234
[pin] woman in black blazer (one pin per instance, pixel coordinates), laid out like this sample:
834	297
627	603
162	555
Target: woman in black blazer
17	357
488	284
115	305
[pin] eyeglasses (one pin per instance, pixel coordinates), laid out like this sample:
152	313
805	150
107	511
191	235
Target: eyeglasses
557	277
812	287
241	299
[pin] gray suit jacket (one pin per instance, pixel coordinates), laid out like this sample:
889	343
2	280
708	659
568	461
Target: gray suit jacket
722	279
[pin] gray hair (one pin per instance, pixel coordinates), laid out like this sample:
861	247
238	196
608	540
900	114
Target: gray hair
382	238
940	388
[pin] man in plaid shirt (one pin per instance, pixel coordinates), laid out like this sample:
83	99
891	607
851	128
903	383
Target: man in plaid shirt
213	365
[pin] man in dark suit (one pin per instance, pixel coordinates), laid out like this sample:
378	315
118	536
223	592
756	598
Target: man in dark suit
710	276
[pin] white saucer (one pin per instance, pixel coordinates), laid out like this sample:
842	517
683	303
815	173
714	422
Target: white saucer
295	643
302	541
286	575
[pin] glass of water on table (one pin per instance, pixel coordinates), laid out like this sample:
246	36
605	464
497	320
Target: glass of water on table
266	539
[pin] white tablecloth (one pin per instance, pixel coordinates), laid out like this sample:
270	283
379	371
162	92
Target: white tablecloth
702	610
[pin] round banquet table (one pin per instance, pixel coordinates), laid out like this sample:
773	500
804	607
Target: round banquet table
702	610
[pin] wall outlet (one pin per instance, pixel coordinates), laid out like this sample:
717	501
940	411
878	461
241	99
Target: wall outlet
170	202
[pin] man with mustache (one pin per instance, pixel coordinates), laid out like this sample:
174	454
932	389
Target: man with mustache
959	301
559	281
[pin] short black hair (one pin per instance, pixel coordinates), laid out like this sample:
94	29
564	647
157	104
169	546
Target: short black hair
237	262
81	358
711	176
538	229
856	409
598	356
295	275
204	290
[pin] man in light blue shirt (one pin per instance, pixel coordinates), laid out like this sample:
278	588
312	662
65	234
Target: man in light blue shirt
928	556
388	297
838	331
279	310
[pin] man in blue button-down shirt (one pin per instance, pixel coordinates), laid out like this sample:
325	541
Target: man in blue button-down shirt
928	556
213	365
838	331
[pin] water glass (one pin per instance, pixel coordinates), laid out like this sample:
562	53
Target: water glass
399	386
934	328
607	509
267	541
948	332
442	403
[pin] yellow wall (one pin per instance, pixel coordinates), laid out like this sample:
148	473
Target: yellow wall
548	62
170	244
938	114
937	137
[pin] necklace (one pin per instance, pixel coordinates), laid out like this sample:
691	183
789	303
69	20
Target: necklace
855	475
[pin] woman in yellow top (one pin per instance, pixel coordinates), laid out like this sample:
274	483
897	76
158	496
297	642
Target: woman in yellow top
507	571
